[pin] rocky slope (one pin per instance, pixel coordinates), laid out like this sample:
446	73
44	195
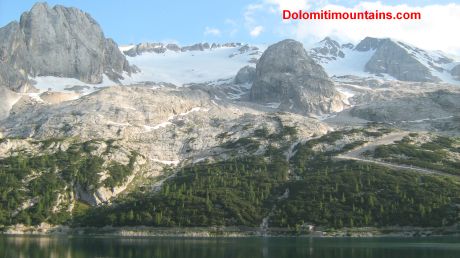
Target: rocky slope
287	76
393	59
408	105
164	127
58	41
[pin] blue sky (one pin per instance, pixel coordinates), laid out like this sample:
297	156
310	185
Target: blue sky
253	21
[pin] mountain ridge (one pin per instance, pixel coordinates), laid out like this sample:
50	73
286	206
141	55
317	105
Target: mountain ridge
385	57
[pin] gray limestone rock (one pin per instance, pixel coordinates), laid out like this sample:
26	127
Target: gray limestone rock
12	78
369	43
62	42
8	99
391	58
287	75
173	47
456	72
245	75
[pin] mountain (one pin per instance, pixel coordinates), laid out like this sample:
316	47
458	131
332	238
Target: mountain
328	49
287	76
58	41
384	58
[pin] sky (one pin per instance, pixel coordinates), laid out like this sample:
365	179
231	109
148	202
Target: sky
259	21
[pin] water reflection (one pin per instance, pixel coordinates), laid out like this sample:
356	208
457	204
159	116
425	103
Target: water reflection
83	247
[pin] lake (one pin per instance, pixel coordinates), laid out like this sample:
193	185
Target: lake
168	247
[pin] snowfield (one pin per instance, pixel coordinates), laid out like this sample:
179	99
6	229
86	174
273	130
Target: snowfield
182	68
352	64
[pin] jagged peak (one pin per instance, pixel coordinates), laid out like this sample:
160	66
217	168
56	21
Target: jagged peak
328	40
370	43
39	6
161	47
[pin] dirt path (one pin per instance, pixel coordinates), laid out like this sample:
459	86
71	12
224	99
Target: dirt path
370	146
356	154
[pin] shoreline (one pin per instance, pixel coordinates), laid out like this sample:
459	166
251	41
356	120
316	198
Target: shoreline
226	232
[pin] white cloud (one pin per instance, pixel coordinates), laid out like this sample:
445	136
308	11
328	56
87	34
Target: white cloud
436	30
255	32
290	4
211	31
251	11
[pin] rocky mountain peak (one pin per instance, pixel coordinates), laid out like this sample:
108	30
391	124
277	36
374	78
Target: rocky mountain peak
327	49
59	41
287	75
394	59
369	43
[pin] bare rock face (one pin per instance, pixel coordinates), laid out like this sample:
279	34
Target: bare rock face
8	99
392	58
369	43
12	78
456	72
60	41
287	75
245	75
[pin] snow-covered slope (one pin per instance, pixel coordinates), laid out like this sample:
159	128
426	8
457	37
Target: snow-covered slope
176	67
384	58
181	68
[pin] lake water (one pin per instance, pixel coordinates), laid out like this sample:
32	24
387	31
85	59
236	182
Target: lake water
105	247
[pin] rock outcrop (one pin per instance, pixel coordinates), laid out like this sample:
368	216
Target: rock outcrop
8	99
246	74
287	75
13	79
456	72
58	41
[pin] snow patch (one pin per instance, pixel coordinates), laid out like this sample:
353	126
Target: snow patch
273	105
347	93
166	162
148	128
61	84
126	48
